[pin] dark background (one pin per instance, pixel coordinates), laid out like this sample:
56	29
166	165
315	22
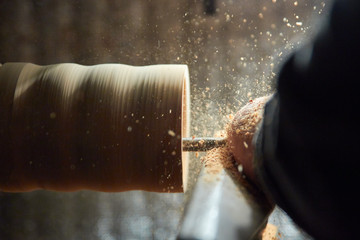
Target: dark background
232	56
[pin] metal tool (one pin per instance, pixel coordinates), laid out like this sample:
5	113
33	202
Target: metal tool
202	144
221	208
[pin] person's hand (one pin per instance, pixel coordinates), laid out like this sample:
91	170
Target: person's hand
240	134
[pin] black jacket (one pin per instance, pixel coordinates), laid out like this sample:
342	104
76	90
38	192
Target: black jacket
308	148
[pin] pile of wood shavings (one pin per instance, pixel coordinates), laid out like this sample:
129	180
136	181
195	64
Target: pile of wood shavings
218	159
247	119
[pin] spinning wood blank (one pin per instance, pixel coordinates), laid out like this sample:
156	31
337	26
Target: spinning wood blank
108	127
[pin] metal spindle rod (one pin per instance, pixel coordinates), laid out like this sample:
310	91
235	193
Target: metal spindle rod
202	144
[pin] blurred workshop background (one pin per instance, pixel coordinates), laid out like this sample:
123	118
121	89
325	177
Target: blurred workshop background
233	49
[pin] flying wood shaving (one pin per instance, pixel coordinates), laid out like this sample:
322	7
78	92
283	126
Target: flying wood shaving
270	232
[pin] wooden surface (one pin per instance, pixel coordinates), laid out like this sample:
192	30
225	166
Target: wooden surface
108	127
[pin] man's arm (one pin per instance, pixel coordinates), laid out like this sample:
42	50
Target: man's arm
307	149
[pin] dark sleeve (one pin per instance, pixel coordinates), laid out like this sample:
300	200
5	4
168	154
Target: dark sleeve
308	148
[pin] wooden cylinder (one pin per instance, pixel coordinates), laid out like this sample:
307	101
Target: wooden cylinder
108	127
